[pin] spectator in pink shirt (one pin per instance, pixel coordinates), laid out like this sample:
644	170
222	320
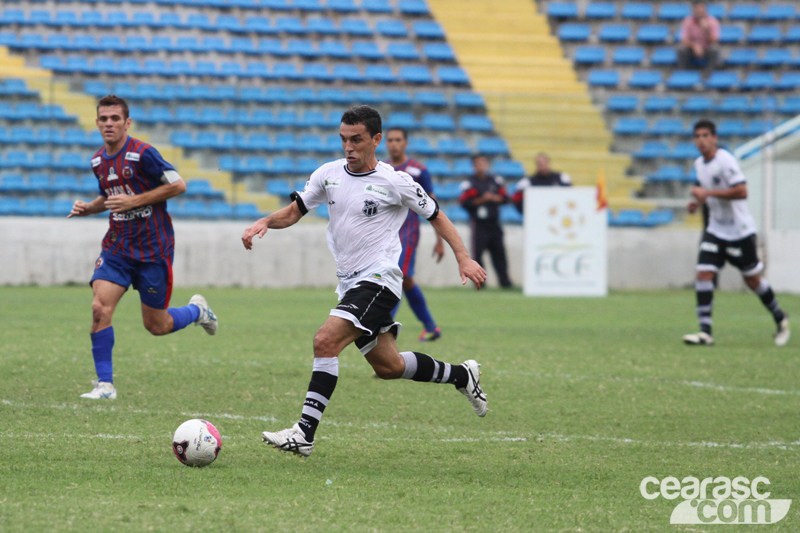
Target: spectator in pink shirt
699	38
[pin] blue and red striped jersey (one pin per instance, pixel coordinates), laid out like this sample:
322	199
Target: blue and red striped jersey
144	233
420	173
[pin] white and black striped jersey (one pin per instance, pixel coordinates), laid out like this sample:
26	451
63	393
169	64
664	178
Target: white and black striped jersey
728	219
366	211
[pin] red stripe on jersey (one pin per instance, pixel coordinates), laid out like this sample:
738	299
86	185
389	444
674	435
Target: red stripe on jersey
169	284
469	193
517	198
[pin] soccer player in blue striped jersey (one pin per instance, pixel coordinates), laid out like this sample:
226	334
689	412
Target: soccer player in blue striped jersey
396	144
134	184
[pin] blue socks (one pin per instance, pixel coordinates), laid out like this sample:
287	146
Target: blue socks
417	302
183	316
102	344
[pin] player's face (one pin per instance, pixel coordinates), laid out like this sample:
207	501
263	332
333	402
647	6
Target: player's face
480	165
359	147
396	144
699	11
112	124
542	164
705	141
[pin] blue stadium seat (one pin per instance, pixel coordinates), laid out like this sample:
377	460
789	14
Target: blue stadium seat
452	75
792	35
626	217
603	78
601	10
391	28
377	6
722	80
259	25
622	103
590	55
415	74
637	11
413	7
428	29
758	127
431	98
628	55
614	33
742	57
457	214
462	167
421	145
438	52
668	126
509	169
730	127
789	81
564	10
357	27
683	79
660	104
364	96
764	34
70	160
447	191
322	26
574	32
351	73
10	206
457	146
658	217
367	50
697	104
66	183
307	5
666	173
645	79
291	25
13	183
776	57
438	121
779	12
652	150
403	51
734	104
468	99
630	126
756	81
745	12
493	146
476	123
653	33
342	6
672	12
317	71
402	119
335	49
683	150
730	34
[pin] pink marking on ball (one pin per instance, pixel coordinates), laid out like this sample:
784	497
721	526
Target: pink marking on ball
215	434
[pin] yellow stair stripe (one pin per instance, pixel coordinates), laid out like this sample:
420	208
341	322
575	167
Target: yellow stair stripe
84	106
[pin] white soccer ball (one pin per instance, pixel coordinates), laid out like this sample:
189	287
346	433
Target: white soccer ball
196	442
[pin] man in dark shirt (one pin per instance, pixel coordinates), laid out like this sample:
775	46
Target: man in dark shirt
482	195
544	177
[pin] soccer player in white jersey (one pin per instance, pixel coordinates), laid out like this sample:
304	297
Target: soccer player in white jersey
367	201
729	236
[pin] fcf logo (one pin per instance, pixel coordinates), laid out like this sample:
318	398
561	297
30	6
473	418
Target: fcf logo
717	500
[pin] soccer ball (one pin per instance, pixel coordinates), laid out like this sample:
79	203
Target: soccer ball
196	442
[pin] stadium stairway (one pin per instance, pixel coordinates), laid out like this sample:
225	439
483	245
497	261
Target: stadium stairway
532	91
83	106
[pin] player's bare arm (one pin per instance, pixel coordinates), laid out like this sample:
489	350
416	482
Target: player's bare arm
125	202
84	209
468	268
283	218
737	192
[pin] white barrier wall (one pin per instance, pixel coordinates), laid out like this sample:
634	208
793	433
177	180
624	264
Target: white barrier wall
51	251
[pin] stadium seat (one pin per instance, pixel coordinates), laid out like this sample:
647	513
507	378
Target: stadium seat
476	123
758	127
792	35
683	80
459	146
697	104
447	191
776	57
563	10
462	167
764	34
377	6
452	75
652	150
401	119
403	51
413	7
335	49
342	6
13	183
431	98
660	104
10	206
653	34
509	169
438	52
510	215
589	55
427	29
440	168
730	127
722	80
391	28
367	50
574	32
365	96
379	73
421	145
307	5
630	126
747	12
622	103
730	34
322	26
457	214
788	81
742	57
645	79
601	10
734	104
614	33
666	173
627	217
468	99
673	12
637	11
290	25
683	150
779	12
658	217
351	73
603	78
628	55
756	81
493	146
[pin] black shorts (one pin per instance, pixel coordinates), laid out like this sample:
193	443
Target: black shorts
742	254
369	307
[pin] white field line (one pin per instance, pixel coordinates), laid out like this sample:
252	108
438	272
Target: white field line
482	436
684	383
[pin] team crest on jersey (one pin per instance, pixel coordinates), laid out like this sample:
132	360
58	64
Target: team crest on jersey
98	263
370	208
127	171
413	171
112	175
96	161
378	191
131	156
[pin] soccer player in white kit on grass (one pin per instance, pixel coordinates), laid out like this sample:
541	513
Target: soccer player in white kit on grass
367	203
730	235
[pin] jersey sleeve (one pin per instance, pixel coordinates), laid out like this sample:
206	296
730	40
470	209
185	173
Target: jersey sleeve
565	179
414	197
731	172
313	194
156	169
425	180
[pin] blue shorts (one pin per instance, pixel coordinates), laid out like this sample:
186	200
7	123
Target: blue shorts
152	280
409	238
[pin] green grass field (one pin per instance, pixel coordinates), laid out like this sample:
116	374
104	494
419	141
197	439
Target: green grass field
587	397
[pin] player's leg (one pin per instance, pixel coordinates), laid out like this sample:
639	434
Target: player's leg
418	304
745	257
331	338
710	259
154	283
497	250
479	242
389	363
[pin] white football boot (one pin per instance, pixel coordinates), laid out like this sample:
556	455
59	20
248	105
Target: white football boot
102	391
699	339
289	440
783	334
473	390
207	318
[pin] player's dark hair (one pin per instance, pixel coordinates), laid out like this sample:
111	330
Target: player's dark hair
705	124
477	155
113	99
401	130
698	2
363	114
